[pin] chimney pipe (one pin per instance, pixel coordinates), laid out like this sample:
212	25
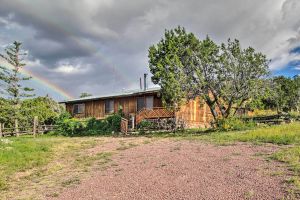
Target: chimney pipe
141	87
145	81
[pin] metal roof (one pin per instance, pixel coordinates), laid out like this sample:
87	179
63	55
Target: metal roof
120	94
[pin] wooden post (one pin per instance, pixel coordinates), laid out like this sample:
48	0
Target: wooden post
1	134
17	127
35	125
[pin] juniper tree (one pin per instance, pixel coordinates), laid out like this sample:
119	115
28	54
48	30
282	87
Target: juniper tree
225	75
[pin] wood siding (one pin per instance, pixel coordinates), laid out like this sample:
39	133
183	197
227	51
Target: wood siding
96	108
195	113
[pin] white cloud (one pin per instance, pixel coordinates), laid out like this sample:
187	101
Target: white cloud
71	69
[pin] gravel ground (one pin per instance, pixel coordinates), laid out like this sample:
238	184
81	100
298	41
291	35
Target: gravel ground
170	169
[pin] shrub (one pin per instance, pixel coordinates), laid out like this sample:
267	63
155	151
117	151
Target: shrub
72	127
233	123
145	125
114	122
92	126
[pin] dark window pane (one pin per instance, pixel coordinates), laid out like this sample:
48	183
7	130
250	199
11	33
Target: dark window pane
140	103
109	106
78	108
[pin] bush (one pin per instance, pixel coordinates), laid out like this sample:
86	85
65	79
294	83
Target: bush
115	122
233	123
145	125
92	126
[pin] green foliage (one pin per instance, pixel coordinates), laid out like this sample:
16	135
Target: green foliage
225	76
234	123
167	60
11	78
5	112
77	127
114	122
85	94
145	125
46	109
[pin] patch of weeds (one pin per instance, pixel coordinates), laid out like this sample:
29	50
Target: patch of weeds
88	160
146	141
71	181
114	165
3	184
54	194
236	154
249	194
125	146
176	148
276	173
226	158
293	180
257	154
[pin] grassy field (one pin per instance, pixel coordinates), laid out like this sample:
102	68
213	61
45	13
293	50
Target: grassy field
27	160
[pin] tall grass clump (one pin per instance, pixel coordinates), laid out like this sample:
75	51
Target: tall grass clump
234	124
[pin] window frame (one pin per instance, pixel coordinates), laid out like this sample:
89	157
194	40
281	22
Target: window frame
80	108
137	100
112	104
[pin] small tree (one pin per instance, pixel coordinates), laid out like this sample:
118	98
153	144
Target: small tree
11	78
85	94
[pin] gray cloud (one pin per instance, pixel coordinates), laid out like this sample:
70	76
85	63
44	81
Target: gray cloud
101	46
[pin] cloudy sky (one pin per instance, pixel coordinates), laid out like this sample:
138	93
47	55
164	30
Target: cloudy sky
101	46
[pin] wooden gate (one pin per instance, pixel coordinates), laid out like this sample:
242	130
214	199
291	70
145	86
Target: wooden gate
124	126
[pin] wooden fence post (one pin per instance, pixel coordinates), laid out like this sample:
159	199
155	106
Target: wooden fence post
1	134
17	127
35	125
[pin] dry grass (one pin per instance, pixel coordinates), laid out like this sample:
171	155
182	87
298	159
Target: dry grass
47	164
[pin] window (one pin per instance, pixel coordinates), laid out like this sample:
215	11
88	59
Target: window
78	108
109	106
149	102
140	103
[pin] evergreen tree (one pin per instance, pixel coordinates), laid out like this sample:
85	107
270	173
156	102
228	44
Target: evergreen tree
11	78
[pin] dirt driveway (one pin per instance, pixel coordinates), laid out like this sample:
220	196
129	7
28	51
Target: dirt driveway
180	169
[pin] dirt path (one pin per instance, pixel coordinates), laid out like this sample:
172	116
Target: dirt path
169	169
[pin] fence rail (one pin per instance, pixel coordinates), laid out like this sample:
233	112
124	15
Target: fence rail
26	130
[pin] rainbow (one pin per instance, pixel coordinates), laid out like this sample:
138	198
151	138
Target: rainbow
64	31
41	80
48	84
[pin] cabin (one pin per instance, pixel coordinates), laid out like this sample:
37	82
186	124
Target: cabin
139	105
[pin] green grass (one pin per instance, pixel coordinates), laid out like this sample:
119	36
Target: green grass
20	154
291	156
26	153
281	135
